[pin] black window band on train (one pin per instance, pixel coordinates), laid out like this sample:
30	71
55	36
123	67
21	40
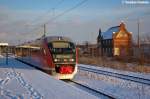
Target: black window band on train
58	47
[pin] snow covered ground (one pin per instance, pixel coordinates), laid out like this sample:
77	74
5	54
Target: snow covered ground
122	89
19	81
138	74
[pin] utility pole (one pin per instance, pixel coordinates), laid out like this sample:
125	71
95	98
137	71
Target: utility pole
53	13
44	30
138	40
6	55
141	61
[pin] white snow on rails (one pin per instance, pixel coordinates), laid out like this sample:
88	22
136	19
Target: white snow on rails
121	88
118	75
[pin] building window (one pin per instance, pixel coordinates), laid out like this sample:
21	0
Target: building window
116	51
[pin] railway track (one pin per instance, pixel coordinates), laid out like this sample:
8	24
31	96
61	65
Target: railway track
100	94
81	86
117	75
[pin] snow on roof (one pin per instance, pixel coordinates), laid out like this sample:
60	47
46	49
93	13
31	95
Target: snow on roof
108	34
3	44
28	46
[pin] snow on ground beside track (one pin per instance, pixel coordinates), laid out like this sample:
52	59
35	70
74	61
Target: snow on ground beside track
137	74
1	56
19	81
120	88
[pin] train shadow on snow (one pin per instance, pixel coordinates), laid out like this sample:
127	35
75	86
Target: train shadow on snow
13	63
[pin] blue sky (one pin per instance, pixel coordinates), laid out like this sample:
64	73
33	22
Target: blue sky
21	20
47	4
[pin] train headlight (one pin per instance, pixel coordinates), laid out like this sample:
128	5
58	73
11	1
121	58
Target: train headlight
71	60
55	60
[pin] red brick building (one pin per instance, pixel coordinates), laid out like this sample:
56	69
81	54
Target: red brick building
122	41
116	41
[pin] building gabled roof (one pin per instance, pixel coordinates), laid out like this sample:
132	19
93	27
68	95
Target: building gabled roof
109	33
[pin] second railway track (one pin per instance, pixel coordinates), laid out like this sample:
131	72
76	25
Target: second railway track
117	75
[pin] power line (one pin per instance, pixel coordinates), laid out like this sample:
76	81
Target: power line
63	13
27	24
43	15
59	3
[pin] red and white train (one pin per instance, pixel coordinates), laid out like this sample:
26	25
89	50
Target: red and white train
55	55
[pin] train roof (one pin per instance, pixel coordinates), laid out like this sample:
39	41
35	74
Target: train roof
58	38
37	42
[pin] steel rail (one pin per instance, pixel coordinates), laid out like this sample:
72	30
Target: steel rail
109	96
117	75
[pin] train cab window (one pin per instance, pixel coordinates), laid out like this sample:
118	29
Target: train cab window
62	47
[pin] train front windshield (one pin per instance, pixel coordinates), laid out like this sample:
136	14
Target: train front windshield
64	56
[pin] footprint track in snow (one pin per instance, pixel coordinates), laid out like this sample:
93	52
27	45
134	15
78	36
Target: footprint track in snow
34	94
8	93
